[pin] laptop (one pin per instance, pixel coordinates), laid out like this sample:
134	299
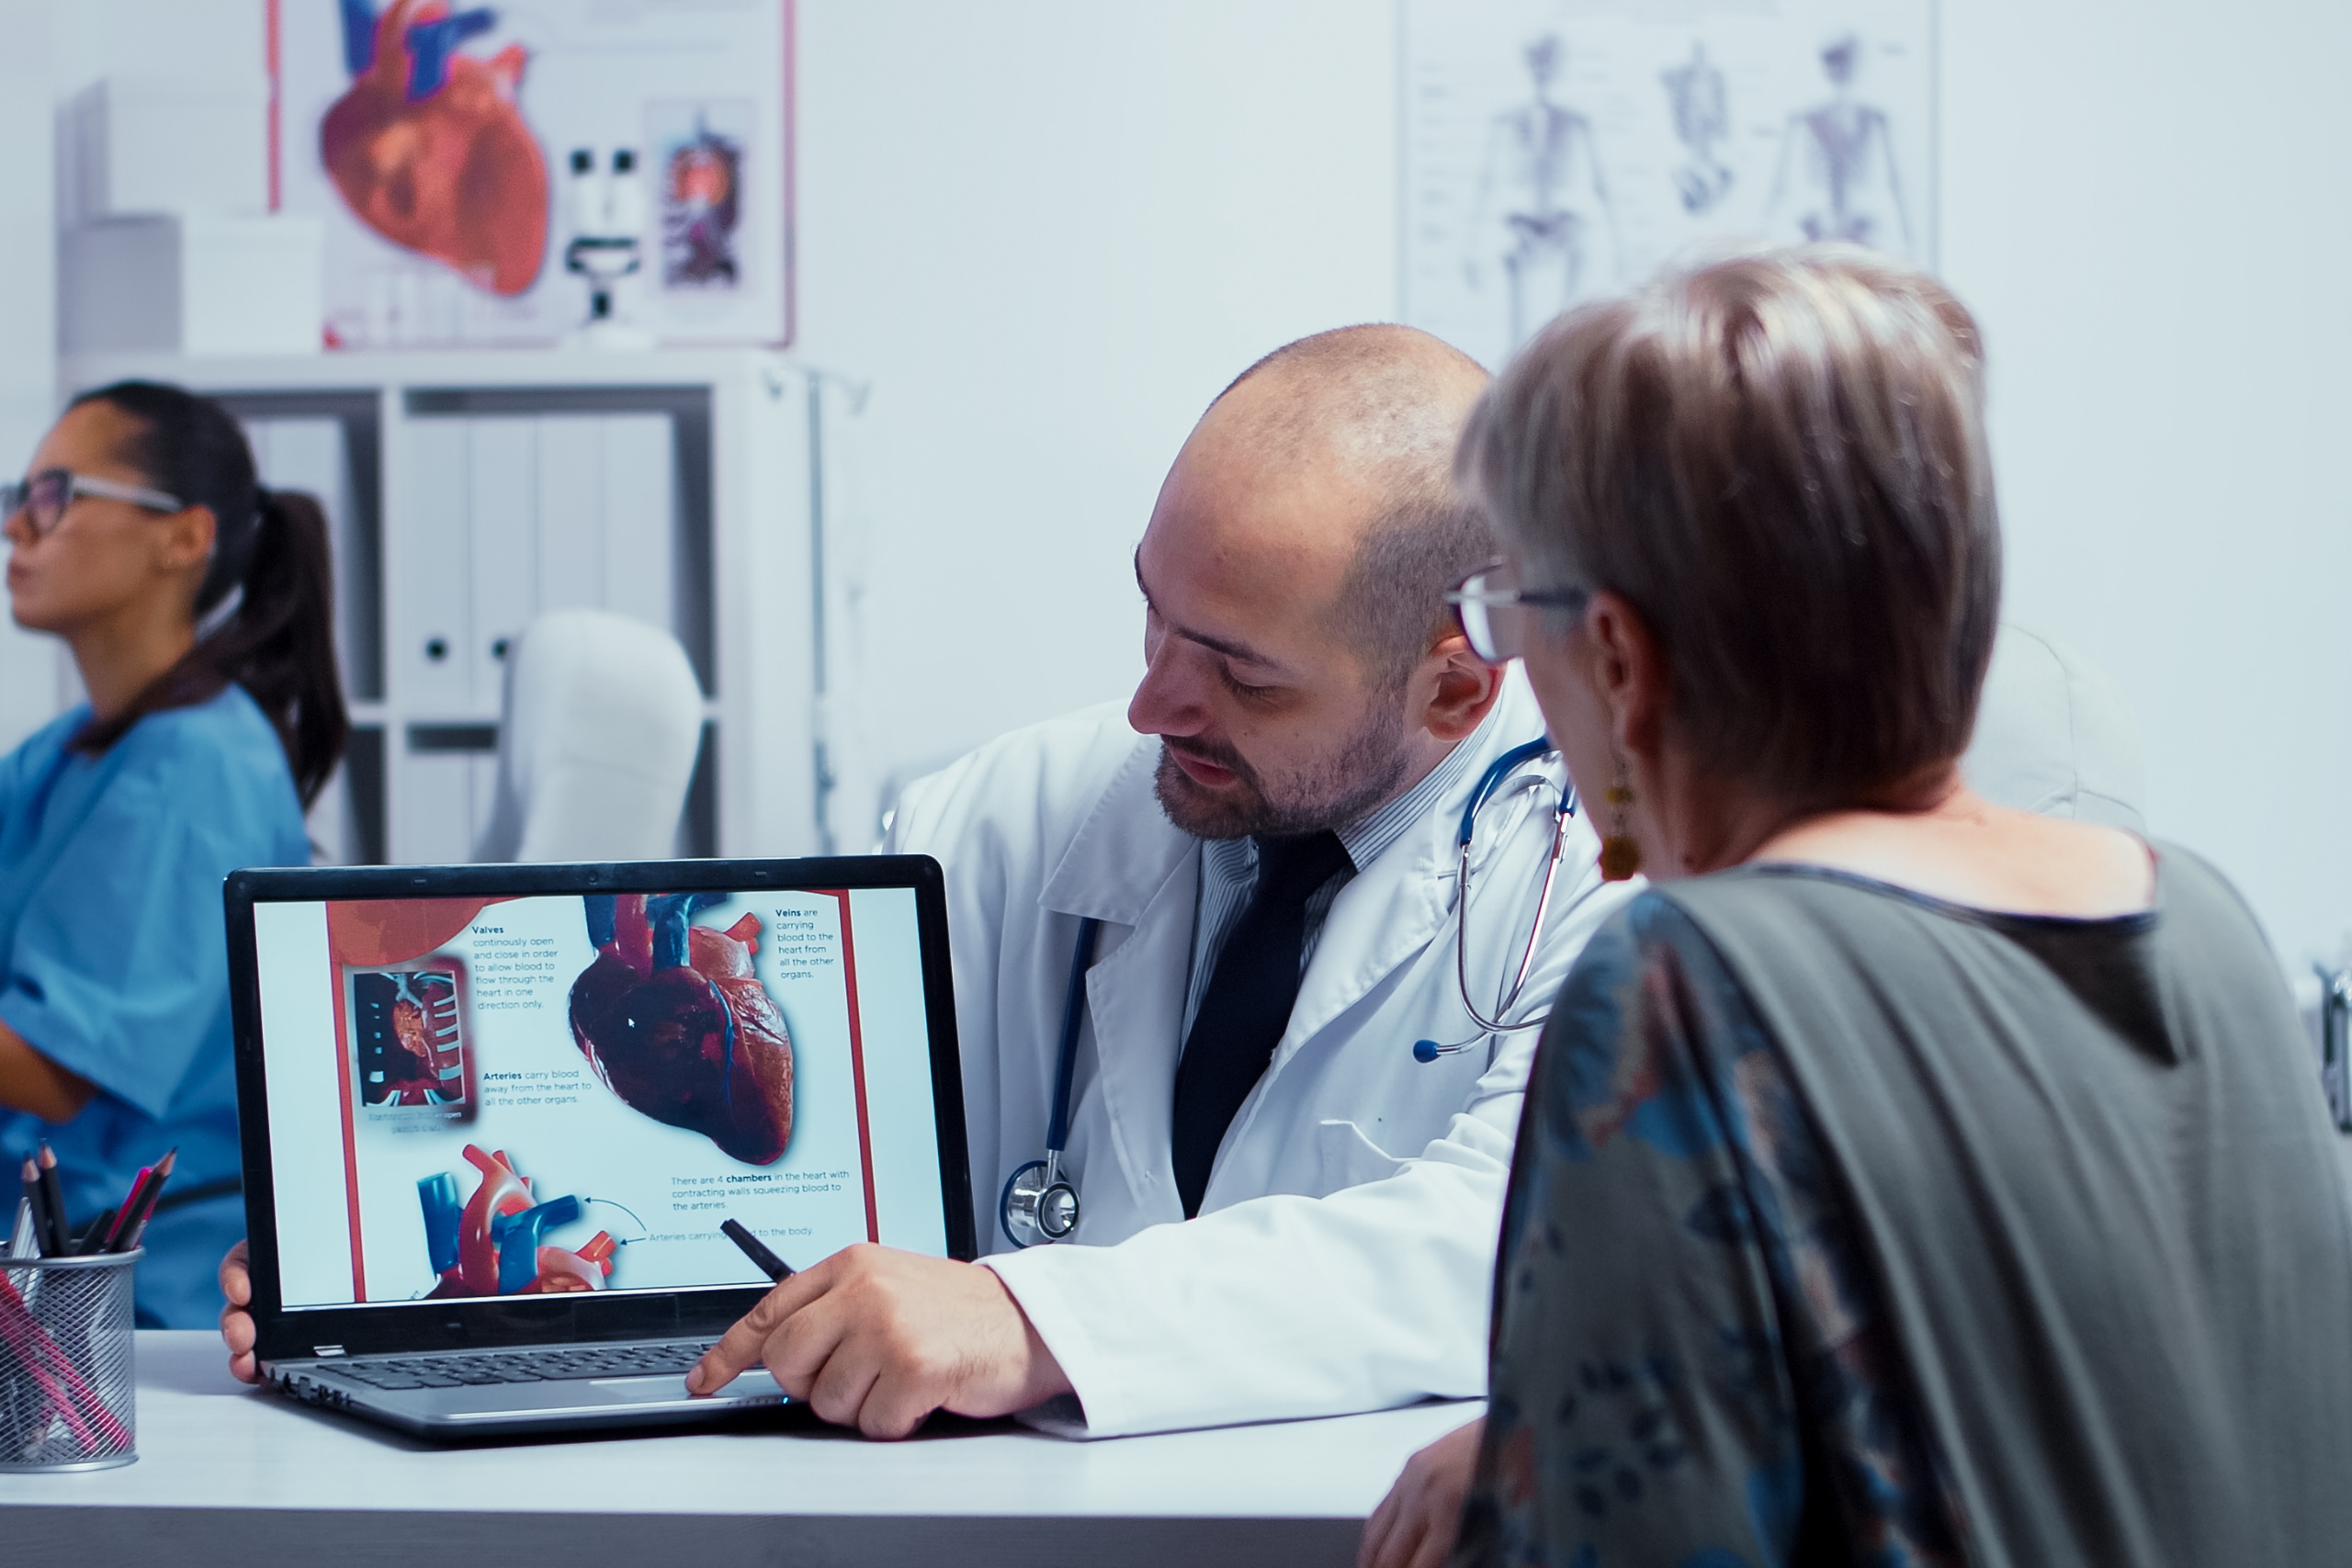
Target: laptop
494	1117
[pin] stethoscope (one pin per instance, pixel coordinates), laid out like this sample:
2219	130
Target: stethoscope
1491	786
1039	1203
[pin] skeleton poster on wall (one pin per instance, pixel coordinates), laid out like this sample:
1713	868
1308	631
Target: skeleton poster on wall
1559	151
516	172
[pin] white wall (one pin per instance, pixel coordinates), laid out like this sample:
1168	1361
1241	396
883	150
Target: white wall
2146	204
1050	234
1048	230
47	53
29	666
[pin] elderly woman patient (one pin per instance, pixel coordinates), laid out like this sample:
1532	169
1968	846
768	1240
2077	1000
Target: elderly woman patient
1904	1180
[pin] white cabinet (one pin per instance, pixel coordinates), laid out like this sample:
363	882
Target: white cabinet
509	516
470	492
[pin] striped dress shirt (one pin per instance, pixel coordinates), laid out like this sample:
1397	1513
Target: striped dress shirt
1229	870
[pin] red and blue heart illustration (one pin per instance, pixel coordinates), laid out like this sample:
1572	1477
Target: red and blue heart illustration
674	1021
429	147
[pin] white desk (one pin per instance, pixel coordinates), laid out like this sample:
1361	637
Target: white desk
227	1475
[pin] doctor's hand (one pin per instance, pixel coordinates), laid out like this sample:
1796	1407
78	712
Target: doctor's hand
236	1322
878	1338
1416	1524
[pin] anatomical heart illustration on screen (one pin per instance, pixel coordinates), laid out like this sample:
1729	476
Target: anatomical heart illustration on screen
677	1024
429	147
408	1037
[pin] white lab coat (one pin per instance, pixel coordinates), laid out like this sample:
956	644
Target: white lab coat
1343	1255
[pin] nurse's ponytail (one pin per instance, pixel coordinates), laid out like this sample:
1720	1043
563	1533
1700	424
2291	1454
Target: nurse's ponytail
264	612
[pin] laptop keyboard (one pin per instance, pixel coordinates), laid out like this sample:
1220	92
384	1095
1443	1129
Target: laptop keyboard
520	1366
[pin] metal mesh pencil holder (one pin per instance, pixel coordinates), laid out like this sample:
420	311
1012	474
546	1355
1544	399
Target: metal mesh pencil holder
67	1384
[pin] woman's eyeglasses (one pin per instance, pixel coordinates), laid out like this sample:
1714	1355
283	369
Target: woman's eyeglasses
47	494
1492	609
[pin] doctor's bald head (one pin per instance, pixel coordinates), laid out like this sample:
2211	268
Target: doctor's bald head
1303	669
1378	407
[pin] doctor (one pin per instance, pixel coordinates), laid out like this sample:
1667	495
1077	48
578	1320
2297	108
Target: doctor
1284	1212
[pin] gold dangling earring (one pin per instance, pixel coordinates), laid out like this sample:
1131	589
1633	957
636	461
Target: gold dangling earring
1621	853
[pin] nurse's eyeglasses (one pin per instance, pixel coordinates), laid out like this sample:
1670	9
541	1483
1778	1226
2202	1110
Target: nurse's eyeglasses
48	493
1492	610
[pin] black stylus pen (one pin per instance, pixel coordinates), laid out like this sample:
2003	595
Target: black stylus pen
767	1262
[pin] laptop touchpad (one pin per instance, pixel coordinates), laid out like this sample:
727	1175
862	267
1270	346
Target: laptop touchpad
665	1386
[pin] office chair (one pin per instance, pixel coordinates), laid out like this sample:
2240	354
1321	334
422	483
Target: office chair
2053	735
601	722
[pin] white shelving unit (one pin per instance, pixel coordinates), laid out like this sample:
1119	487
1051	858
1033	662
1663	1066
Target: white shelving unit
470	490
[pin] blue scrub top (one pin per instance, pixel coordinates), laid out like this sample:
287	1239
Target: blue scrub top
114	960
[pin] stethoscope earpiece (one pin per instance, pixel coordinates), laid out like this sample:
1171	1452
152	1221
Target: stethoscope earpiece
1430	1050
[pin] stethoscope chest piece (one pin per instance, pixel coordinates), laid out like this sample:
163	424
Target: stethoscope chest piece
1038	1204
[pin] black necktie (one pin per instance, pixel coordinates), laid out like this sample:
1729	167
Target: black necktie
1248	1003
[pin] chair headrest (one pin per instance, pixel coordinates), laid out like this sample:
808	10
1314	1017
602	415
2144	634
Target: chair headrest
596	742
2054	735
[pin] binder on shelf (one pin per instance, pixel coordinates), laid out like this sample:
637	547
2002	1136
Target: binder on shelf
571	512
503	507
430	624
639	526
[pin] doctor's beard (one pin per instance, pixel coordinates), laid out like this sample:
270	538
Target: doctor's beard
1336	790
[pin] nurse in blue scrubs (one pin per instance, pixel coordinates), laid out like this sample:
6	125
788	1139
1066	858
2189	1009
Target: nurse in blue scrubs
198	608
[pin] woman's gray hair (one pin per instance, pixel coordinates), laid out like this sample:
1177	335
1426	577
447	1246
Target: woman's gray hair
1779	460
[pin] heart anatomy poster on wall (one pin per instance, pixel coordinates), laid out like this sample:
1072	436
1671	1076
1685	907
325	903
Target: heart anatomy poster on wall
1559	151
512	175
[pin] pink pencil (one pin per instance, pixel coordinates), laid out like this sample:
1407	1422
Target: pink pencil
116	1231
17	1326
33	1347
138	1211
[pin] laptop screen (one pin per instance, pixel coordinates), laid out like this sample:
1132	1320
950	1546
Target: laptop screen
485	1097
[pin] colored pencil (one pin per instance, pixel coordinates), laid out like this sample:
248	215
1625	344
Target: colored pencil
39	1206
93	1234
111	1237
139	1210
50	1368
52	1194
